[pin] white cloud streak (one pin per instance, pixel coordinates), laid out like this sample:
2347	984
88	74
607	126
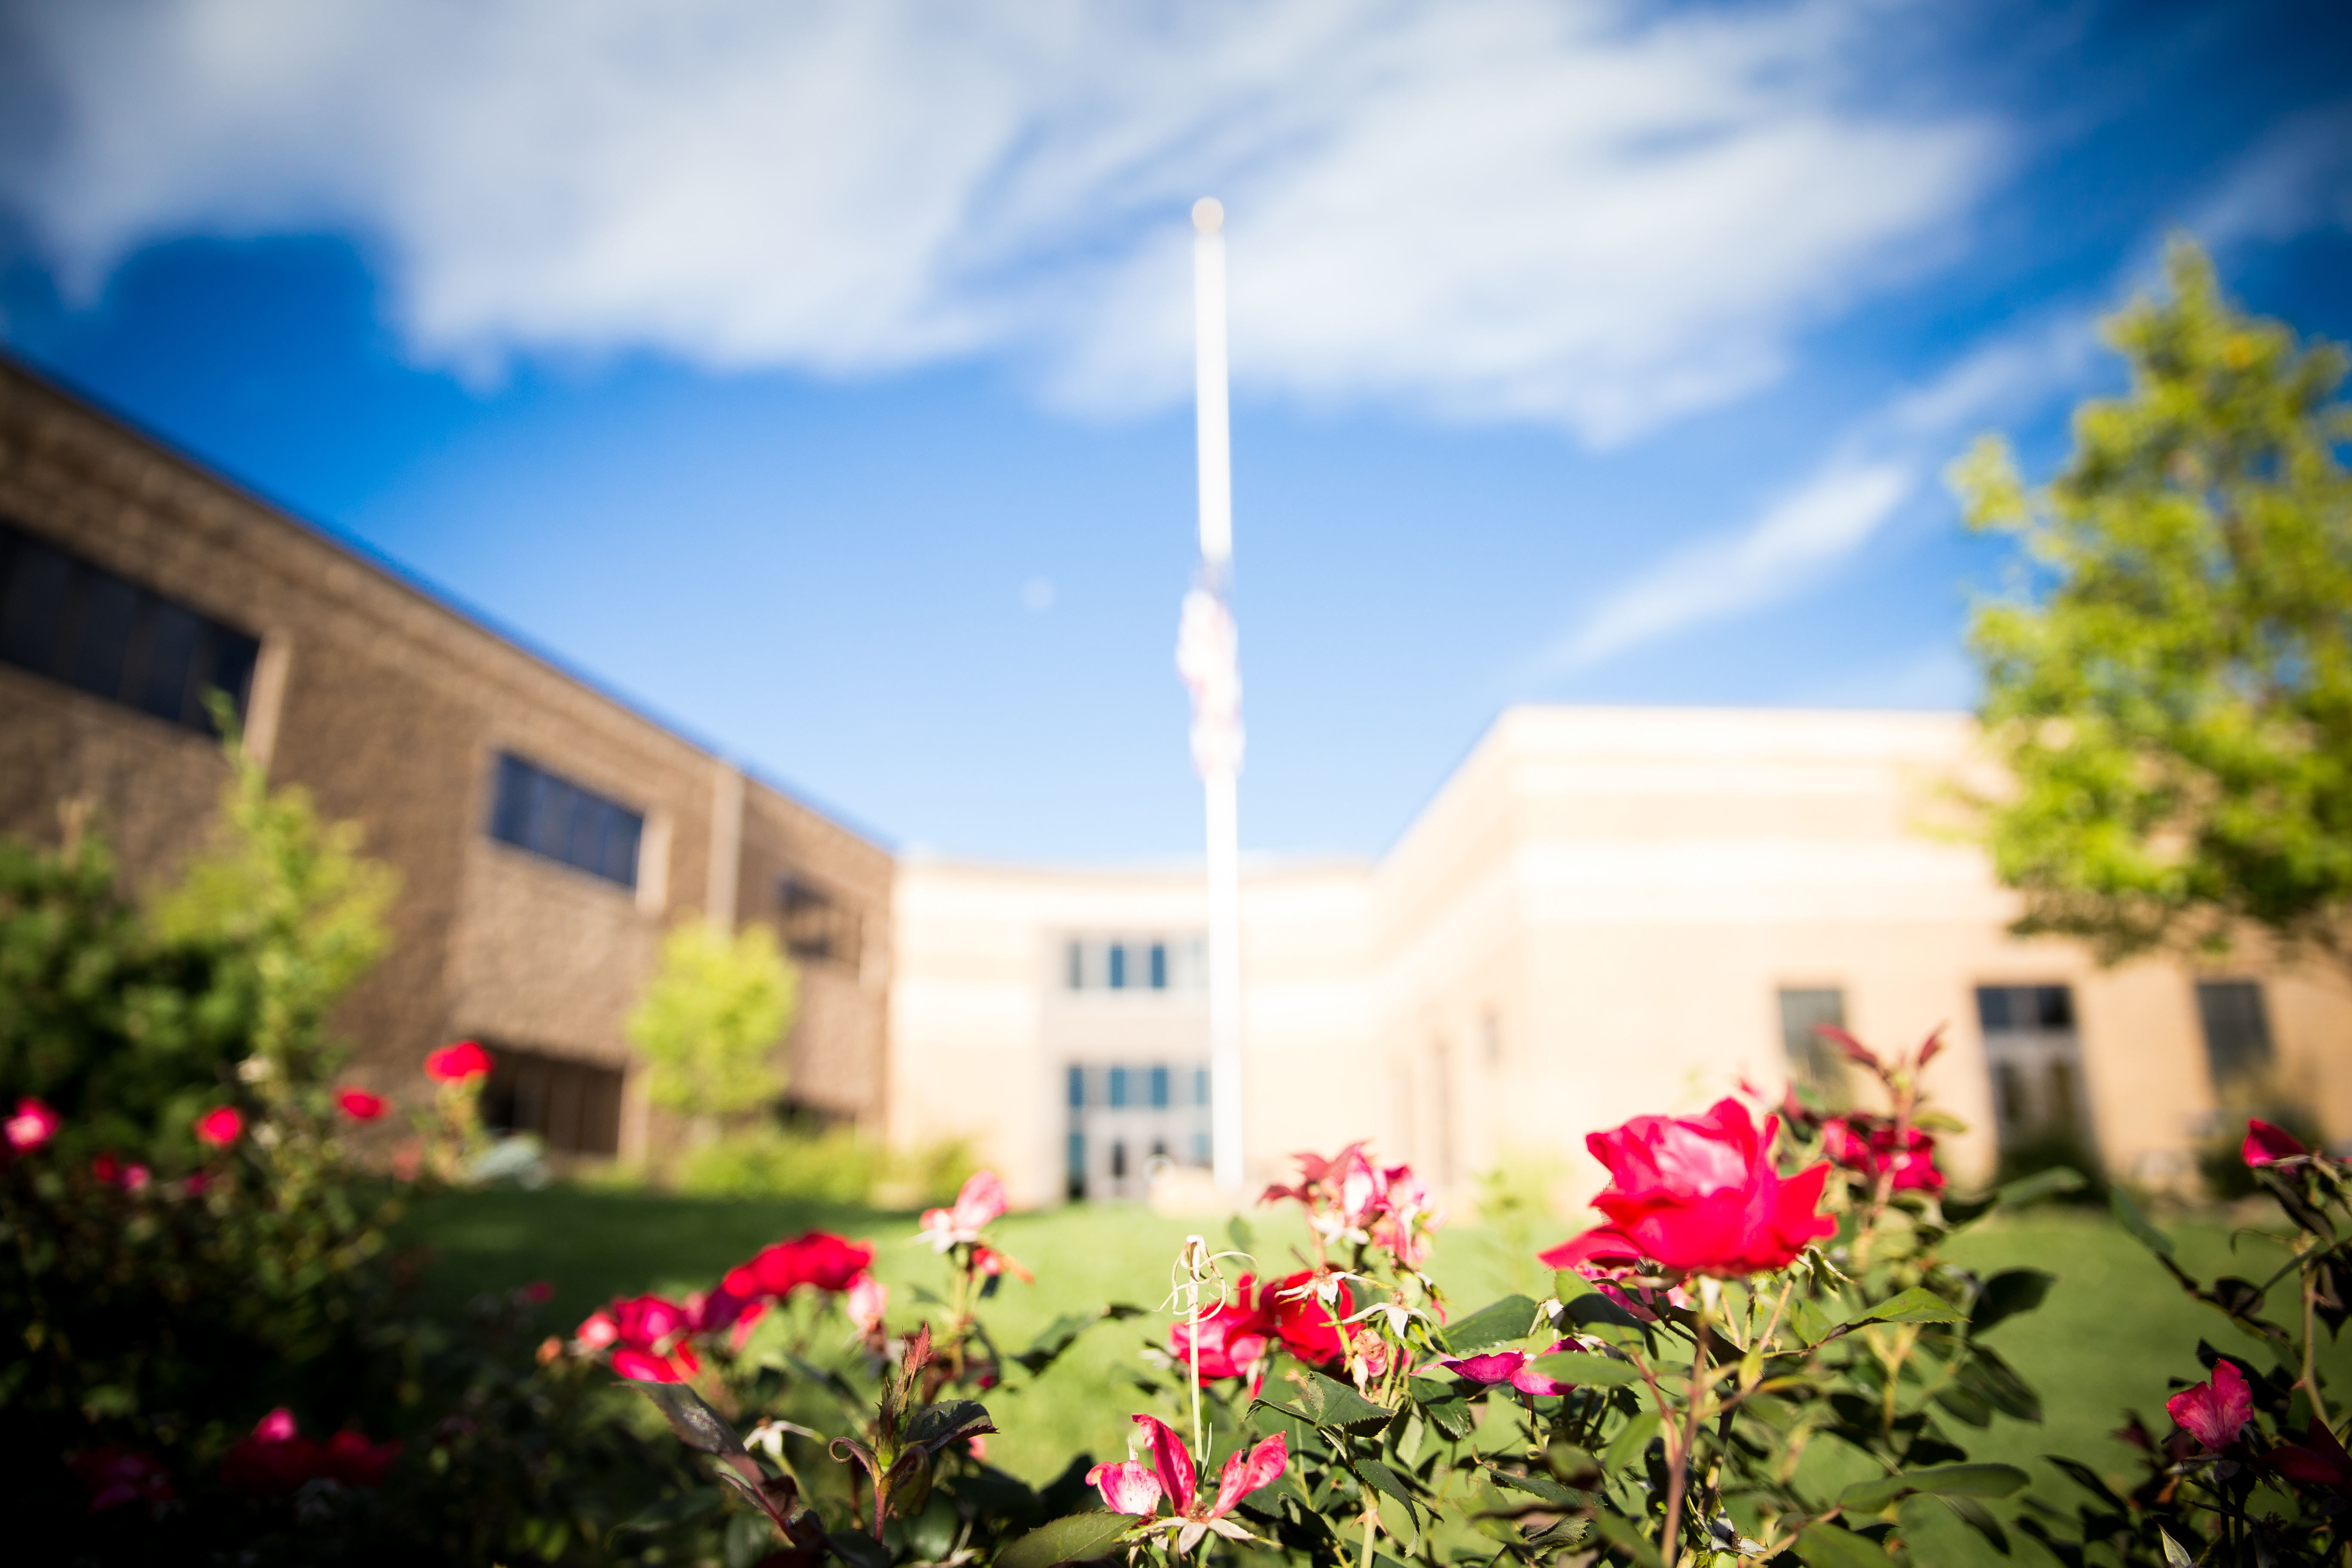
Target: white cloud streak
1471	209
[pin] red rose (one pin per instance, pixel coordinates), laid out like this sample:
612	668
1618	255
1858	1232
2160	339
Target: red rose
1234	1337
456	1064
33	1125
1307	1323
2267	1145
112	1476
820	1258
221	1126
352	1459
2216	1410
275	1460
360	1105
1865	1145
1699	1193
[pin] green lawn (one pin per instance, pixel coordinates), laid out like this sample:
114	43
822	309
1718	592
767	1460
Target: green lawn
2112	1332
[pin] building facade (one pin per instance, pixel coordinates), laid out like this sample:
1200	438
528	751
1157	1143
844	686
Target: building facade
546	835
1603	913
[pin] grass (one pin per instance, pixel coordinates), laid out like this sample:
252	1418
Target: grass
2112	1333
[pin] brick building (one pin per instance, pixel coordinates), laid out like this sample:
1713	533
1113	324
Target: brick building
546	833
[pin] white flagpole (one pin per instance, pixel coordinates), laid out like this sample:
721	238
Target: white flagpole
1207	654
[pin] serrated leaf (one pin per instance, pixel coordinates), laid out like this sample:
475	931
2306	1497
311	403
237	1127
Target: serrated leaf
1936	1481
1504	1323
1386	1481
2008	1293
1916	1305
1586	1370
2127	1215
1539	1486
1079	1538
1324	1403
1827	1546
934	1426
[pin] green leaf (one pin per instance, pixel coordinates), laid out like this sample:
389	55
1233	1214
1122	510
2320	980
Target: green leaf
2008	1293
2175	1554
2128	1214
1940	1481
1916	1305
1827	1546
1237	1231
1063	1333
1386	1481
1586	1370
1080	1538
1541	1486
1506	1322
1626	1448
698	1426
674	1510
934	1426
1323	1403
1587	1306
858	1549
1621	1532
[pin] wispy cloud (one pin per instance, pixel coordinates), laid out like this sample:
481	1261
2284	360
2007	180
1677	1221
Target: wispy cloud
1476	209
1873	469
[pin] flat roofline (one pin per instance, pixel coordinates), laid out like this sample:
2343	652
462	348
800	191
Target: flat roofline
432	594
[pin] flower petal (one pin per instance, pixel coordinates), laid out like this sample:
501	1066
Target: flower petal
1129	1487
1244	1473
1172	1460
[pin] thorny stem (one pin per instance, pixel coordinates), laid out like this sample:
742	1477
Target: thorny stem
1371	1522
1679	1459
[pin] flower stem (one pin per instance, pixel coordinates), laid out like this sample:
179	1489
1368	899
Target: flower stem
1678	1457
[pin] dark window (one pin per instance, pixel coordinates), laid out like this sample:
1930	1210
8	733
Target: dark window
2237	1032
574	1107
63	617
1158	1087
1118	1096
1159	966
1074	1183
535	810
2004	1008
1118	966
1078	1089
816	924
1817	1062
1119	1162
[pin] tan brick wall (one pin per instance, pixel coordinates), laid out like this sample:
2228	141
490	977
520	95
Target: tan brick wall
391	710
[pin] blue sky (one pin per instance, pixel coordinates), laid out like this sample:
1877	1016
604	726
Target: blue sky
816	376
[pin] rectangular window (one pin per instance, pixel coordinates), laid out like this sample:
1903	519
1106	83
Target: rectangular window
574	1107
2237	1031
1199	1086
1159	1088
1159	966
1077	969
1118	966
77	624
533	809
1118	1096
1078	1089
816	924
2035	1060
1817	1063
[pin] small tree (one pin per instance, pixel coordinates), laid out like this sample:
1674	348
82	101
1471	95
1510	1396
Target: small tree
710	1018
2173	697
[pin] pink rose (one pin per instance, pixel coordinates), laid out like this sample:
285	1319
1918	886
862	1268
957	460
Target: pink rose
2267	1145
2215	1411
220	1127
33	1125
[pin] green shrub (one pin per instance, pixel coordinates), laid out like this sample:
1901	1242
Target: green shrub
837	1165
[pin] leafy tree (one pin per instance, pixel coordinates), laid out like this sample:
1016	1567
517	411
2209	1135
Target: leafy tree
2174	704
710	1018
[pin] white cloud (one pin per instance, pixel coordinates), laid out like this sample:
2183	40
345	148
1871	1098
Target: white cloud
1871	470
1470	208
2297	179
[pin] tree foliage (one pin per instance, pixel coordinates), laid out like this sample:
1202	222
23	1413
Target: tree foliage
2172	694
711	1017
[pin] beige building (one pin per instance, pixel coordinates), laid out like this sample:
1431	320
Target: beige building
1604	912
546	833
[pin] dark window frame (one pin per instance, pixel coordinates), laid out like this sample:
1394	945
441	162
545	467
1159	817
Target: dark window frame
66	618
545	814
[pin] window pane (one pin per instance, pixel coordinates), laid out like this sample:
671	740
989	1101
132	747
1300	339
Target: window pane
1118	1096
551	815
2053	1006
171	653
1816	1062
622	836
1118	966
1158	1087
1159	966
2237	1032
34	607
233	657
510	809
1078	1089
583	845
107	605
1992	1008
1199	1086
